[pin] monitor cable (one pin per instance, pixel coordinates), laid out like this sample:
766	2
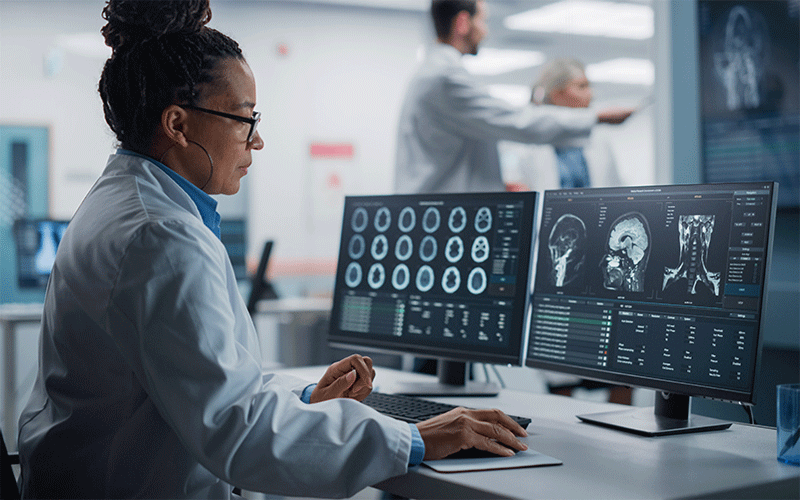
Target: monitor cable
749	410
497	374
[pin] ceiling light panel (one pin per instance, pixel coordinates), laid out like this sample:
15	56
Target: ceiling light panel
586	17
490	61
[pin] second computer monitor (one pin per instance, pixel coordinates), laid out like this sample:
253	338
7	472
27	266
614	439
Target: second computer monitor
443	276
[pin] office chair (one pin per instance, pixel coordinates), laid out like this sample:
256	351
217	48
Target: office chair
8	482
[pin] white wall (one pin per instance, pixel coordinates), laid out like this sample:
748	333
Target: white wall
340	81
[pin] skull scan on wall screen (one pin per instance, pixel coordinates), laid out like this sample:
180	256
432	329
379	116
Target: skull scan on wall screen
567	244
627	253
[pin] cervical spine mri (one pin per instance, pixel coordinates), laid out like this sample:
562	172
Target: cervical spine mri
695	237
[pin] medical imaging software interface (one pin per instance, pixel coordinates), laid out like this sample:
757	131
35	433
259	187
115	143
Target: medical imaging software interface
435	274
659	283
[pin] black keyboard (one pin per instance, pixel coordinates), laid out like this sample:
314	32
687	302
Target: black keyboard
411	409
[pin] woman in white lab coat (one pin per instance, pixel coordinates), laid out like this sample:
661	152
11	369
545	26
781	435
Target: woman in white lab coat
587	162
150	381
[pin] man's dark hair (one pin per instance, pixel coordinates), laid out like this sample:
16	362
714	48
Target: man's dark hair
444	11
162	54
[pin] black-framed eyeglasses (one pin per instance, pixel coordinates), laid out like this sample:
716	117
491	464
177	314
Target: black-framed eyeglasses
252	121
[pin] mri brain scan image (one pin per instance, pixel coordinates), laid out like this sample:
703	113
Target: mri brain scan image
567	244
407	219
383	219
428	248
451	279
360	220
483	220
376	276
740	62
353	275
404	248
431	220
356	247
425	278
476	282
454	249
480	249
380	247
457	220
401	277
694	232
627	251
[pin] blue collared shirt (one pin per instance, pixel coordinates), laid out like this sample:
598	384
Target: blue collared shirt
572	168
206	205
417	444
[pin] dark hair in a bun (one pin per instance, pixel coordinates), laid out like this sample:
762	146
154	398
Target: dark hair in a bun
163	53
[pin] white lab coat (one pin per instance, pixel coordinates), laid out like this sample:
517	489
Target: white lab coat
449	127
616	155
150	381
536	165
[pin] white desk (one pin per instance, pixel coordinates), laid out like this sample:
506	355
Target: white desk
12	315
602	463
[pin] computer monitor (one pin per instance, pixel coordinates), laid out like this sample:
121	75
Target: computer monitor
749	89
261	287
441	276
36	241
656	287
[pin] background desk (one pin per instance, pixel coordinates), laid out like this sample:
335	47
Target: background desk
11	316
602	463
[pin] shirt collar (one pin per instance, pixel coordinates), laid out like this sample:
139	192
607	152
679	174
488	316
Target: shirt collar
206	205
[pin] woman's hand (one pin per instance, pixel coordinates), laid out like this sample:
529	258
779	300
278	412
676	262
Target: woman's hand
348	378
461	429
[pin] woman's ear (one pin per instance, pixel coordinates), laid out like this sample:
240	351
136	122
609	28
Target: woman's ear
173	124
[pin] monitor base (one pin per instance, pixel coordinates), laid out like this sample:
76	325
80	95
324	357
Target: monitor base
645	422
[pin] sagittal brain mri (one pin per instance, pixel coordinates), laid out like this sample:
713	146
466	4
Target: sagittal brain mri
740	62
627	251
567	244
694	236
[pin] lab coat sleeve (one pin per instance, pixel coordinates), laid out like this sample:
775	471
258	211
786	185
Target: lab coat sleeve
173	320
468	109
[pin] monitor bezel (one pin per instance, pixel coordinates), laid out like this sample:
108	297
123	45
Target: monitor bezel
449	353
660	383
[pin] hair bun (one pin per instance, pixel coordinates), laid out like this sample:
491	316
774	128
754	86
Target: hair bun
136	21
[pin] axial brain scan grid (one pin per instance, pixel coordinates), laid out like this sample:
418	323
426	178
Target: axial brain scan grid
449	269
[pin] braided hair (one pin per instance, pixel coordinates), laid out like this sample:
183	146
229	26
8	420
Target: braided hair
162	53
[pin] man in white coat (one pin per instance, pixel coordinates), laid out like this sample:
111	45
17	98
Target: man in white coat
449	125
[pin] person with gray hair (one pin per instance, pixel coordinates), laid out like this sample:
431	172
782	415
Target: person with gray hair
450	124
578	163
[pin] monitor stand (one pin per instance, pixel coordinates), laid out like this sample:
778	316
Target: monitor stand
671	415
453	381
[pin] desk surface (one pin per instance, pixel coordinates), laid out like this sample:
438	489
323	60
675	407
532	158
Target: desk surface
603	463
